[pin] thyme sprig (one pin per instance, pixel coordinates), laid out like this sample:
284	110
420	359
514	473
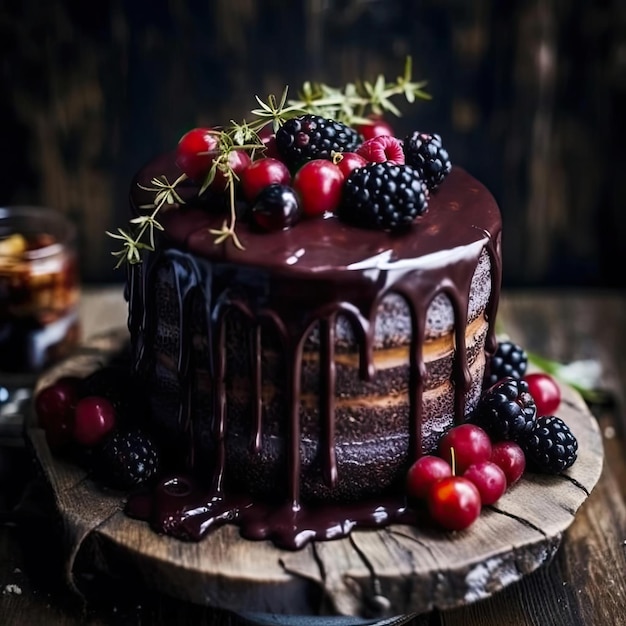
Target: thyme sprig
353	104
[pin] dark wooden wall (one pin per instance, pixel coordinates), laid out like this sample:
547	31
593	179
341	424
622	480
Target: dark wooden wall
528	95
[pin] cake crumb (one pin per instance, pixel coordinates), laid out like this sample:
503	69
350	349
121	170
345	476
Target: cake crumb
609	432
12	589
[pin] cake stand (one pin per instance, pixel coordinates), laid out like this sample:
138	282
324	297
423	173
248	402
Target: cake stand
368	577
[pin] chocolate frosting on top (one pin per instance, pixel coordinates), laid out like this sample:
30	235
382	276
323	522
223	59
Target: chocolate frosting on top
462	212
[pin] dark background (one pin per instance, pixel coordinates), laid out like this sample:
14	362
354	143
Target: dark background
529	96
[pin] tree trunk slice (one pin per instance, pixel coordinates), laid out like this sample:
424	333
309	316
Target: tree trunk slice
393	571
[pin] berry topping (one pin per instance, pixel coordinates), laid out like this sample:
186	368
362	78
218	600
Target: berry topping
423	474
427	155
507	410
545	392
470	443
376	128
454	502
262	173
489	479
276	208
382	148
348	161
509	360
94	417
384	196
551	447
195	152
127	459
238	162
54	406
318	184
268	139
510	457
309	137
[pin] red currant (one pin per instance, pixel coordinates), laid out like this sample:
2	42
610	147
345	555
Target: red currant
454	502
424	473
318	184
545	392
94	417
238	162
262	173
511	459
349	161
195	152
471	444
489	479
378	127
54	406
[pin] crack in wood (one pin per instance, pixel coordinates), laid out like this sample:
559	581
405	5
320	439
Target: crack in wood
519	519
577	484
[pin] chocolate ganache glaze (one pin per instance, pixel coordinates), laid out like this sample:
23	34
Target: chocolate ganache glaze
298	378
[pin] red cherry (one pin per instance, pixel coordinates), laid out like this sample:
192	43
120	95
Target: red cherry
377	128
238	161
349	161
54	406
268	138
195	152
511	459
94	417
424	473
489	479
454	502
545	392
262	173
471	444
382	148
318	183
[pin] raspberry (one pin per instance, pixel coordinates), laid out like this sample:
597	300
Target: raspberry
507	411
551	447
309	137
127	459
427	155
382	148
509	360
383	196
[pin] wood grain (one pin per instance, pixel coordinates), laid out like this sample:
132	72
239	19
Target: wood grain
397	570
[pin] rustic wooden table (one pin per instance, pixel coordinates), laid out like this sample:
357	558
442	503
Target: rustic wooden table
584	584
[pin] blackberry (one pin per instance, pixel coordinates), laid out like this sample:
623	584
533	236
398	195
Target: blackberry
309	137
127	459
428	156
509	360
384	196
507	411
551	447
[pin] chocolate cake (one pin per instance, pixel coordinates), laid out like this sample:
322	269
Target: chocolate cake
297	378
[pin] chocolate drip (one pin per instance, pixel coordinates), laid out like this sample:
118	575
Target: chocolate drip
291	293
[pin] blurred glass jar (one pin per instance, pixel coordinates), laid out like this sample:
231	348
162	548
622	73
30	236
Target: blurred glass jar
39	288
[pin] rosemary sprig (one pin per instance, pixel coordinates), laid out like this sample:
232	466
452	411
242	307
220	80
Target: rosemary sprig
351	105
165	194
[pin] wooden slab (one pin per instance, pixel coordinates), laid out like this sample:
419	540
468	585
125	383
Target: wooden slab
394	571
